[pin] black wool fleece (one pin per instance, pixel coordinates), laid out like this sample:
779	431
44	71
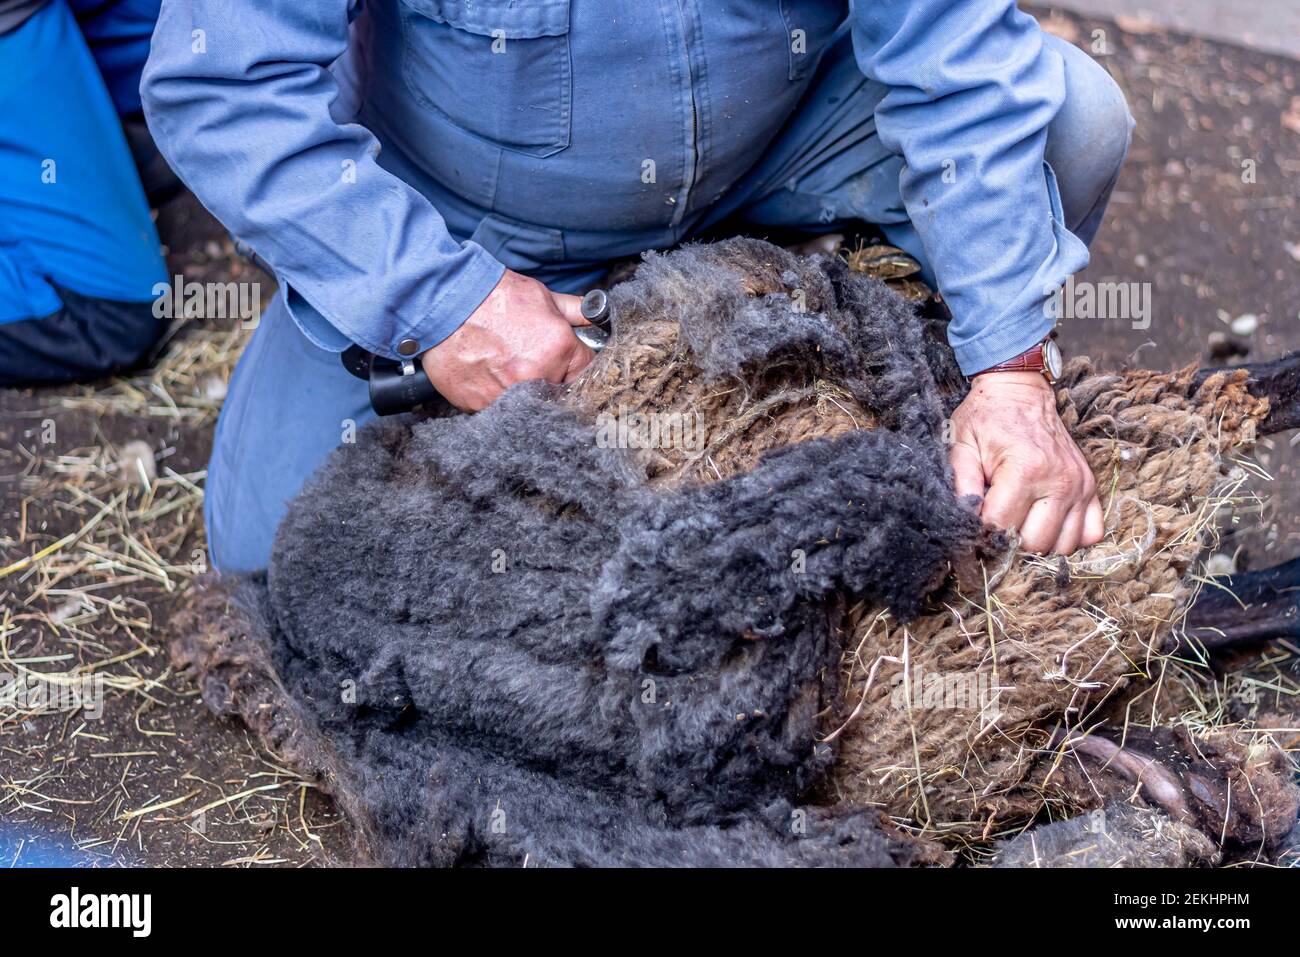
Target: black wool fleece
517	649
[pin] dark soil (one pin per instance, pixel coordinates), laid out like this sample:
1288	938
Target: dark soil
66	782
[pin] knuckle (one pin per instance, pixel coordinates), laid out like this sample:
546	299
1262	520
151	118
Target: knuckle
555	343
1064	485
521	370
1034	546
1025	473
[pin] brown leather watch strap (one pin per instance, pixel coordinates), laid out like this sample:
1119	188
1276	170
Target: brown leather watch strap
1033	359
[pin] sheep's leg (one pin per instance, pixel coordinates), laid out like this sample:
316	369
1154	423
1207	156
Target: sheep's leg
1157	782
1278	381
1232	789
1254	606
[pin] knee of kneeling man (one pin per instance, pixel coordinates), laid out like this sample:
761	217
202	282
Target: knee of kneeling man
1095	117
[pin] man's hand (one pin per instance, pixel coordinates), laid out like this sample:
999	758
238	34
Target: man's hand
1006	434
521	331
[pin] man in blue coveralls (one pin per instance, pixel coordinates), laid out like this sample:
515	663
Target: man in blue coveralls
79	257
434	178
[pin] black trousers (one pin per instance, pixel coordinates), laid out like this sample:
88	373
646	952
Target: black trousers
86	339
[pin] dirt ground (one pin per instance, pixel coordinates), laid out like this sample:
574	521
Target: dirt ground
158	780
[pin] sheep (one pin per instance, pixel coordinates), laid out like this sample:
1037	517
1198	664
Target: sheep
504	639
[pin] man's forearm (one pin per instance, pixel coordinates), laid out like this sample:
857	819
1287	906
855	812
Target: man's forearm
972	90
238	96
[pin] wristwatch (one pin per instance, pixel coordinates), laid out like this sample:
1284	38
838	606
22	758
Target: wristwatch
1044	357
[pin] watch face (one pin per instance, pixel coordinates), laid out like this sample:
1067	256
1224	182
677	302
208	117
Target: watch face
1052	360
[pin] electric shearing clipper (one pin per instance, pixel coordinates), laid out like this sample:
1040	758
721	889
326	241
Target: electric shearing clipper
398	386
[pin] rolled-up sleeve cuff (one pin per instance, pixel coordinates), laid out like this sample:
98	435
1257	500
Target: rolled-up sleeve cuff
477	273
1004	340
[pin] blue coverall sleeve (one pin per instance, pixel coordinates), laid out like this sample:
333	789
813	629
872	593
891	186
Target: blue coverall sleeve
238	96
971	91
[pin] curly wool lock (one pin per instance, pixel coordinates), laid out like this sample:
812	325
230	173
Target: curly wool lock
1058	642
584	654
